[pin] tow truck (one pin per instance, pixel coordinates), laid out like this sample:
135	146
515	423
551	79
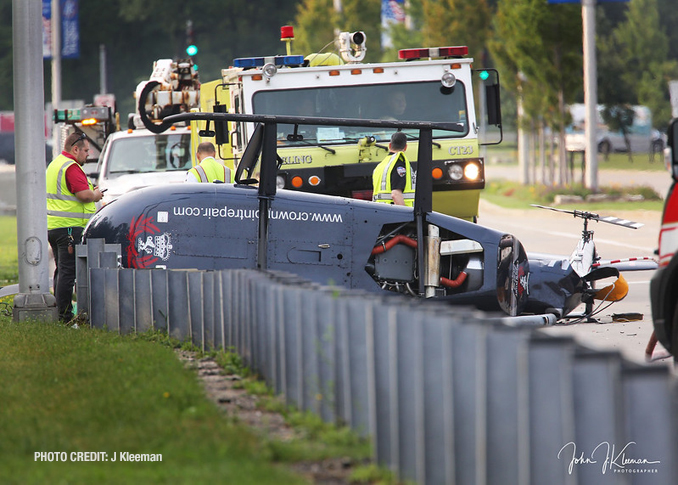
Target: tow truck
96	122
135	157
431	85
664	283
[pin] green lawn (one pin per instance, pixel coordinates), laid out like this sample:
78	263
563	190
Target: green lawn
513	195
83	390
508	153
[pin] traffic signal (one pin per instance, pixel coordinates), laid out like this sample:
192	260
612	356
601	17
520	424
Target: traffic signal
192	48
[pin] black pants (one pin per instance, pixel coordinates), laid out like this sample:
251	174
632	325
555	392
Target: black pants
64	274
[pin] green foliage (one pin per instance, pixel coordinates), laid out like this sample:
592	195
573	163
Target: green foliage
314	27
635	61
457	22
542	42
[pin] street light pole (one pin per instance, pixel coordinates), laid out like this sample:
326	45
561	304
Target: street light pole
34	300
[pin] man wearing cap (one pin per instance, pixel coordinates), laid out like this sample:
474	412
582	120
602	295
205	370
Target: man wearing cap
70	204
392	178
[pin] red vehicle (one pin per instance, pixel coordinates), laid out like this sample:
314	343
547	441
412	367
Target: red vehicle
664	284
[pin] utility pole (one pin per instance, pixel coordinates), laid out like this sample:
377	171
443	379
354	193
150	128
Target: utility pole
56	72
588	12
34	301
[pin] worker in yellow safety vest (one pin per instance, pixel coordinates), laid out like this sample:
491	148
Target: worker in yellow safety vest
71	201
392	178
208	169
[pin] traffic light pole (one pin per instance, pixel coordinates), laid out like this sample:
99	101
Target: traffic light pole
34	301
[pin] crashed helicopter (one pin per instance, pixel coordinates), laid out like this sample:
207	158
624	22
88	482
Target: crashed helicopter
351	243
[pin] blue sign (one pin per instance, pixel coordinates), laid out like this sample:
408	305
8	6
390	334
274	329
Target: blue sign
70	29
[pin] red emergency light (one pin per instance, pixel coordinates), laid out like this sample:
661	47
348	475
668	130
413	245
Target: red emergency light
431	52
286	32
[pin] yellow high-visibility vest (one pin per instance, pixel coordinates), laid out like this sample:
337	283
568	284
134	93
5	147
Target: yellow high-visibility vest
64	209
381	180
209	170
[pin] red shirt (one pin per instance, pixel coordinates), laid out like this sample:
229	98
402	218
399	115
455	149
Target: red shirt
76	180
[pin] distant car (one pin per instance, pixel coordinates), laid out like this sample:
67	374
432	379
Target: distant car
641	136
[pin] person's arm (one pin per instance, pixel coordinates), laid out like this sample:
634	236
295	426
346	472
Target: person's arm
77	183
397	196
88	195
398	182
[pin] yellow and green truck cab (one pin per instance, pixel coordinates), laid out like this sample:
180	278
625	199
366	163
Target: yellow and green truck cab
435	85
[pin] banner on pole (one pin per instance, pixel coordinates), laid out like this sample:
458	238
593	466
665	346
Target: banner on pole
392	12
70	29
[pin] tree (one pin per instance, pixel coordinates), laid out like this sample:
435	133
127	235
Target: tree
638	51
538	47
457	22
314	26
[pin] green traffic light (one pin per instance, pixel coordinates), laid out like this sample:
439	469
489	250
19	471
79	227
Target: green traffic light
484	75
192	50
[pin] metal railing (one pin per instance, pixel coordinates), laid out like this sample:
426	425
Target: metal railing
447	394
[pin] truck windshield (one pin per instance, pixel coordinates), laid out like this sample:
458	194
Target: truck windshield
158	153
421	101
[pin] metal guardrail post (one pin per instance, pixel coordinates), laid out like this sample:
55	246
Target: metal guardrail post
359	313
126	301
197	303
143	300
597	404
507	401
327	360
291	336
97	316
160	299
550	407
111	299
439	457
469	361
651	423
179	315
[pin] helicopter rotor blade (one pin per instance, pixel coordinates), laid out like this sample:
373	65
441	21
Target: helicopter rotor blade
595	217
621	222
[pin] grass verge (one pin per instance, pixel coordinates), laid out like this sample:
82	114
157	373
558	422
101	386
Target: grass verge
513	195
84	390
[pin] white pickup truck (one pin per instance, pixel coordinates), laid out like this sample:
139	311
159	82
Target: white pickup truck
138	158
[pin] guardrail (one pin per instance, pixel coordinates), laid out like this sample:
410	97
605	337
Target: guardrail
446	394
